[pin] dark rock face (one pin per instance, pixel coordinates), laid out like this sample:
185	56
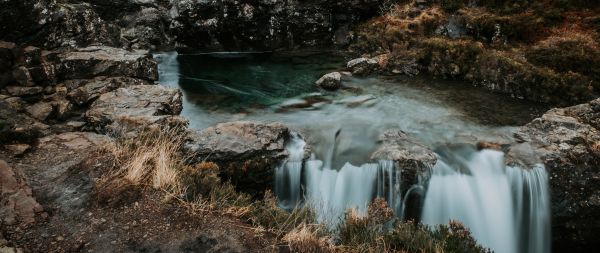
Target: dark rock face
54	23
266	24
225	25
568	142
247	152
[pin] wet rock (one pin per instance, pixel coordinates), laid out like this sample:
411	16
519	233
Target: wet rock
415	159
358	100
91	62
490	145
567	141
294	103
363	66
331	81
17	205
138	105
246	152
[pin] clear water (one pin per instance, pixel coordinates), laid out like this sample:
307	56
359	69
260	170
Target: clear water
502	205
265	87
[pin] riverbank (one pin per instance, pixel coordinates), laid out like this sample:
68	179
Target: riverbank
75	83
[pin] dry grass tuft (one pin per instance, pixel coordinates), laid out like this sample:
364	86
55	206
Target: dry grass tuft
308	238
151	158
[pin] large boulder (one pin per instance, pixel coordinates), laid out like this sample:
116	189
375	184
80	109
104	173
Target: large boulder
413	158
84	91
17	206
362	66
136	106
331	81
247	152
91	62
567	140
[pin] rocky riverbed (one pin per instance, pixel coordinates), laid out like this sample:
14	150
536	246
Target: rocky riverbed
76	75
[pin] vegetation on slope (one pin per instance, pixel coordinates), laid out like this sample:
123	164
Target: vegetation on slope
152	161
544	51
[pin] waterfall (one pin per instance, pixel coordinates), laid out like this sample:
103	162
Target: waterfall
506	208
329	191
168	68
287	175
532	204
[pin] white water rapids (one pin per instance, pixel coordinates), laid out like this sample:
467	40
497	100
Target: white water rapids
506	208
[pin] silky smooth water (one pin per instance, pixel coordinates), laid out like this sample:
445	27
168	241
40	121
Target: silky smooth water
505	207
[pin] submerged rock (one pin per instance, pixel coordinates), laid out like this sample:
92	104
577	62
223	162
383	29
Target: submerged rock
568	142
355	101
331	81
247	152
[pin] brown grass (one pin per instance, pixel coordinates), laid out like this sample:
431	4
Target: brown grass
308	238
151	158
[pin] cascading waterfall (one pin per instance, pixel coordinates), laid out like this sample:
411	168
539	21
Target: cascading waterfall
532	204
506	208
288	174
331	192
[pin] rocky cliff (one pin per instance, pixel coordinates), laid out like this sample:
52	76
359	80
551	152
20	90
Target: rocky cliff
208	24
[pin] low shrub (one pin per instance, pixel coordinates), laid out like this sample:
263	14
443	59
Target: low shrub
569	50
491	27
449	58
508	73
